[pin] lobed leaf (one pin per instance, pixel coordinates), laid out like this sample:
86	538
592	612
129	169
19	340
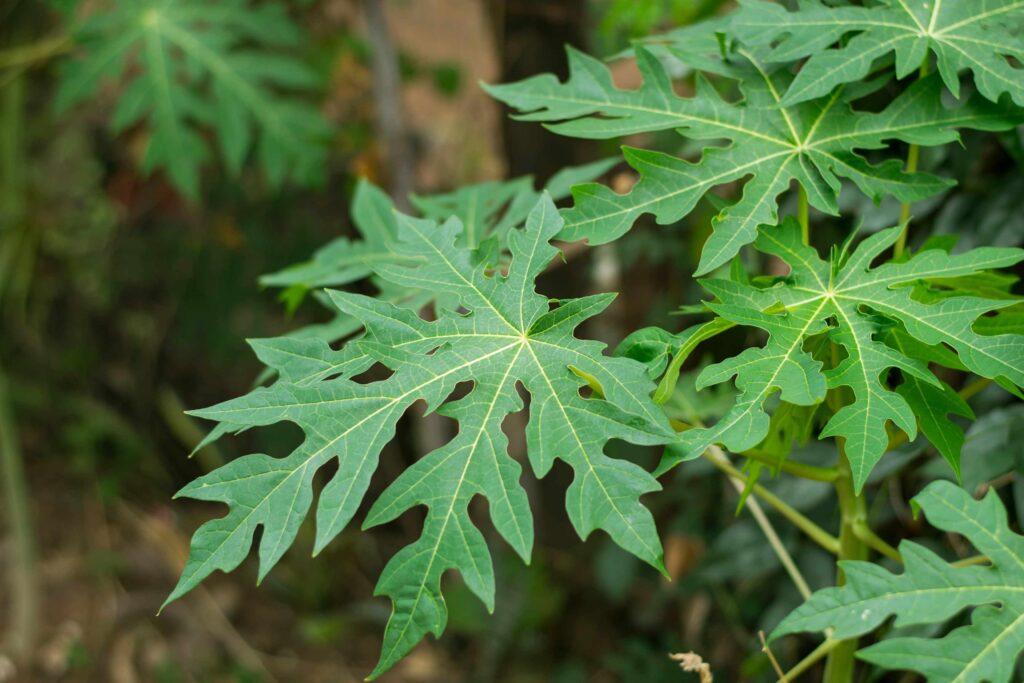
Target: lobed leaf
931	591
859	307
772	144
188	65
488	212
501	335
982	36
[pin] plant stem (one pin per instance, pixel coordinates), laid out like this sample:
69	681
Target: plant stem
803	214
721	460
866	534
810	660
913	155
970	561
815	532
771	658
797	469
26	55
22	561
853	514
972	389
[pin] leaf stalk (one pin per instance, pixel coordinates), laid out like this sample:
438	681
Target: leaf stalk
810	660
797	469
913	157
813	531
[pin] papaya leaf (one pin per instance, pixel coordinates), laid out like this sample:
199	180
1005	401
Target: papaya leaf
488	212
932	591
188	65
772	144
978	36
856	305
503	334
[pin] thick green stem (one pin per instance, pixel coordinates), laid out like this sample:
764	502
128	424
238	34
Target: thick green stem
839	667
913	154
22	560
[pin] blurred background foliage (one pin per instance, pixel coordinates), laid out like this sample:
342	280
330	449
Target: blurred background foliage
137	214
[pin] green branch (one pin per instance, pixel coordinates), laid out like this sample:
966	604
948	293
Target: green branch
913	157
839	667
797	469
718	457
813	531
810	660
803	215
24	56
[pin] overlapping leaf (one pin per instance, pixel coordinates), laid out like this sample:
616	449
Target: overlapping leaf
189	64
772	144
487	210
983	36
931	591
857	306
502	334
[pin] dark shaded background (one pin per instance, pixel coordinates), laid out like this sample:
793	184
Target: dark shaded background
123	303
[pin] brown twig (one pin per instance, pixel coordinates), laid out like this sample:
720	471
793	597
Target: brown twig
771	658
694	663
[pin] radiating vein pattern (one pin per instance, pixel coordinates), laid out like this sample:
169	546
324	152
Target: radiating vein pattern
931	591
982	36
772	144
859	308
189	64
488	211
499	335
